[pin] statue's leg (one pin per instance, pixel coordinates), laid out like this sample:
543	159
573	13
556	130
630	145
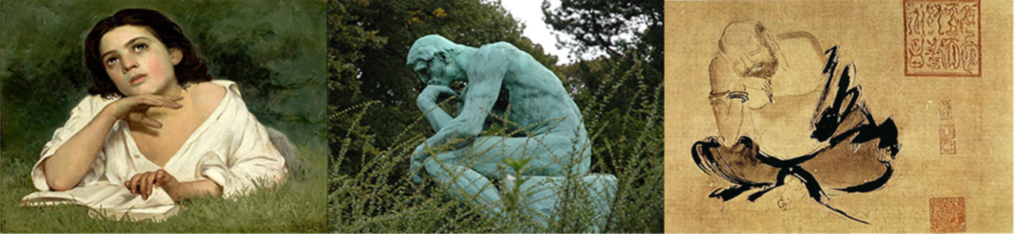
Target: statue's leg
553	160
549	154
463	182
468	171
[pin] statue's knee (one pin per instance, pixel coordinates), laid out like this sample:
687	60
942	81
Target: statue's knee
431	165
583	161
558	169
419	149
580	164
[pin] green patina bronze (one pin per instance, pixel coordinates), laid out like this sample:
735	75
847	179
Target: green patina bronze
505	87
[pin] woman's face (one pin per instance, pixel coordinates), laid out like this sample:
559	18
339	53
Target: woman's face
137	62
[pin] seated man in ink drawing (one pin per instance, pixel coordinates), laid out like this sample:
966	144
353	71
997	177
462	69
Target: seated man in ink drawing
781	110
504	86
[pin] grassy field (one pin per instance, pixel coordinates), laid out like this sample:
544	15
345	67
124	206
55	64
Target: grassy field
296	206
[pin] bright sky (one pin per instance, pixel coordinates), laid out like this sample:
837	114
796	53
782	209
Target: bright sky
530	13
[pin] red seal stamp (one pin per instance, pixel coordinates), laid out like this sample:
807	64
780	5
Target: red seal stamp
948	146
942	37
947	131
947	214
946	110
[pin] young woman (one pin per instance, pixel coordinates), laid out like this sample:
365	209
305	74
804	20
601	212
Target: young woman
156	128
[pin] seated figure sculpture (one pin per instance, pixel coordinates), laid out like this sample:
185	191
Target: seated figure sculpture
508	88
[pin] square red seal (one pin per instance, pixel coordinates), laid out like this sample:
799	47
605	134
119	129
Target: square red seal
947	214
942	38
948	146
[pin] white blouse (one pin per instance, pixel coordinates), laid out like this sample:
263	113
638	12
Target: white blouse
230	148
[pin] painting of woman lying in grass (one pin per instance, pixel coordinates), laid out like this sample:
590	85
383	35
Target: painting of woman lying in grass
155	129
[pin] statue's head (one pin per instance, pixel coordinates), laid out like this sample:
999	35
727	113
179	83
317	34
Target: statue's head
750	49
432	59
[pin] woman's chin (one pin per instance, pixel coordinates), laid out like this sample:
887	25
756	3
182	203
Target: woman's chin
139	92
145	89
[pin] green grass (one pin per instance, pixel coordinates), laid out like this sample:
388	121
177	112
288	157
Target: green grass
295	206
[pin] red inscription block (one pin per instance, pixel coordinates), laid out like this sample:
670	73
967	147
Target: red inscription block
947	214
942	37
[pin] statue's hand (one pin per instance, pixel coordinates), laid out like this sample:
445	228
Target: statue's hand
431	94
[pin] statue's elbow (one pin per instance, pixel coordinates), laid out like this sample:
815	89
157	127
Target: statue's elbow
469	132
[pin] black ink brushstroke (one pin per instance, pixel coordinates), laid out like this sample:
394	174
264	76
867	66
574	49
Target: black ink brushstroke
778	183
731	192
825	126
873	185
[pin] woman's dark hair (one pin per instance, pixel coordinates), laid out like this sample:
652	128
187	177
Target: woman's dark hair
190	69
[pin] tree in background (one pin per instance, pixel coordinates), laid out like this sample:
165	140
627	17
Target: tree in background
610	27
626	33
621	90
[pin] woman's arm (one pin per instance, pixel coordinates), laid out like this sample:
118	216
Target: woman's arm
72	160
198	189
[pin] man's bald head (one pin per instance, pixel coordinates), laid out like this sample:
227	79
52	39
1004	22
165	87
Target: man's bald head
750	49
426	49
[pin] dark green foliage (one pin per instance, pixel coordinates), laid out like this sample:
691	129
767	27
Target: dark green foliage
629	32
628	142
611	27
274	50
621	93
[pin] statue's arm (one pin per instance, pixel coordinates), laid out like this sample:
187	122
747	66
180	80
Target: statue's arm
485	74
459	106
427	103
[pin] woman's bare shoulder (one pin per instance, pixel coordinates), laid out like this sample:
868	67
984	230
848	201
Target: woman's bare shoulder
207	95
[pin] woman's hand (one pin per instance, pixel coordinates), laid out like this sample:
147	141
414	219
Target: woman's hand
73	160
145	183
135	108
